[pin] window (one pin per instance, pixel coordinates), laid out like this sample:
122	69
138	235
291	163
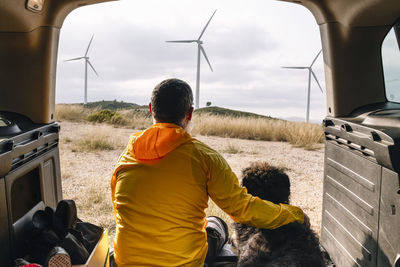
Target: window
391	63
25	194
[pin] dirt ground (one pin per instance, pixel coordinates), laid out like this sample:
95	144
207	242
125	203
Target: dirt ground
86	174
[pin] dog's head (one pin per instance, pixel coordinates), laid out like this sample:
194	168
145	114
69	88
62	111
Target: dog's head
267	182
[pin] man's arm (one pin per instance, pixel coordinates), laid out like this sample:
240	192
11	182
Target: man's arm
225	191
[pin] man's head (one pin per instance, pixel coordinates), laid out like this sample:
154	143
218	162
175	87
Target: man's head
172	101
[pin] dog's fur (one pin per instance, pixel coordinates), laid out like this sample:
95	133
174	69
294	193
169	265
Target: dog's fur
294	244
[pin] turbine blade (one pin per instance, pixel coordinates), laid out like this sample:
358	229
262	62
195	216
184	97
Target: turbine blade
73	59
182	41
87	50
315	77
205	55
90	64
205	27
298	68
315	58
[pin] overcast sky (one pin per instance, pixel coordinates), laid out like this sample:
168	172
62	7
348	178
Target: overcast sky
247	43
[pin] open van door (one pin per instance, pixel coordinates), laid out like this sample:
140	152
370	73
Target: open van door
361	198
30	176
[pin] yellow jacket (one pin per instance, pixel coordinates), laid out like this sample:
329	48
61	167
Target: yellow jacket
160	189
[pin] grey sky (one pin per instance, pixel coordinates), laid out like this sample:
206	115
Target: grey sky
246	42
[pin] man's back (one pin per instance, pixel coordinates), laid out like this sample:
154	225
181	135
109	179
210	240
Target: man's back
161	207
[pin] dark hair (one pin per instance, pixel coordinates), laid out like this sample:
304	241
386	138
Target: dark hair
171	100
267	182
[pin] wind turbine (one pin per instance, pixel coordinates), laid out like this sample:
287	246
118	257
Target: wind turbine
87	61
199	48
310	71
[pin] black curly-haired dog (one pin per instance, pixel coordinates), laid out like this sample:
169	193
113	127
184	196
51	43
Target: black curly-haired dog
293	245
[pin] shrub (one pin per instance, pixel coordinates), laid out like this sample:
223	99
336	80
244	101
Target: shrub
138	118
118	119
232	149
104	115
108	116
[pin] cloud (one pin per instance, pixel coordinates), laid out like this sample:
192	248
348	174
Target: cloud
246	52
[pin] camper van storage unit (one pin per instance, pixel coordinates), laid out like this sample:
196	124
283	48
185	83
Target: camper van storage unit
29	178
361	216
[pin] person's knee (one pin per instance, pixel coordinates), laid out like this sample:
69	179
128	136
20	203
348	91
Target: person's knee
217	236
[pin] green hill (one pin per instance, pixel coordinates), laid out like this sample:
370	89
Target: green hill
131	109
229	112
112	105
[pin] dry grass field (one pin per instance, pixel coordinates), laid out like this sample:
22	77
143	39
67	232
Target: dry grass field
89	151
299	134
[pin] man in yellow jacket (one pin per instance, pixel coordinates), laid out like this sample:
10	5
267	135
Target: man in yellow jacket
162	183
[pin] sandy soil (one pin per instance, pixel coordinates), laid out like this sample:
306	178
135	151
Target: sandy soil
86	175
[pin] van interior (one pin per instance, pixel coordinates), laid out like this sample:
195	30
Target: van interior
361	53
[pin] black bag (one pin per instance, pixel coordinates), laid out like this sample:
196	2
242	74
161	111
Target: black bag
90	233
217	236
61	227
75	249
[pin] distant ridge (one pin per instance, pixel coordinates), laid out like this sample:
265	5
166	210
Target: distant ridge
143	109
230	112
112	105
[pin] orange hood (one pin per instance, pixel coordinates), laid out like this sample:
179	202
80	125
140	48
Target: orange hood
157	141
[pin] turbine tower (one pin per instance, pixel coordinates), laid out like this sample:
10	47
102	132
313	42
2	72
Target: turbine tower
199	48
310	72
87	61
